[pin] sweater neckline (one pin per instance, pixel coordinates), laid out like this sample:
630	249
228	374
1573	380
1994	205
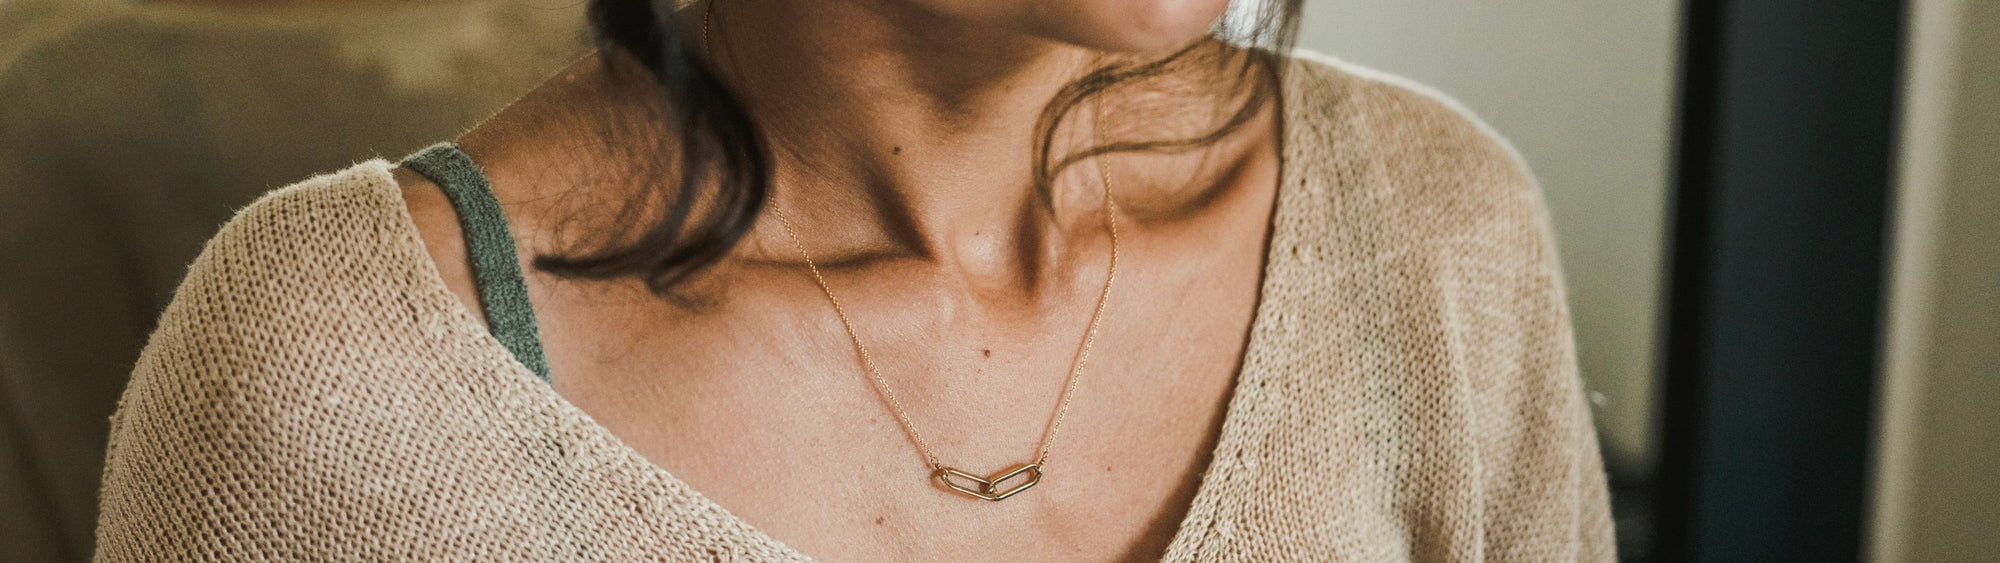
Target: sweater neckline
1234	430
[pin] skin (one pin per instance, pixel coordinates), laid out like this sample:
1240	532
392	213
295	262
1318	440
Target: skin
901	130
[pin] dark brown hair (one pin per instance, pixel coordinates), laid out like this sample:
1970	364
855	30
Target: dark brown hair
725	166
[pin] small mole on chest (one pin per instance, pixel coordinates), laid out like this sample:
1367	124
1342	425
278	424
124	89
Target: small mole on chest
986	353
878	520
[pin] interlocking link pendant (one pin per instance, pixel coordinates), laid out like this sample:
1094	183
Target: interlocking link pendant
988	488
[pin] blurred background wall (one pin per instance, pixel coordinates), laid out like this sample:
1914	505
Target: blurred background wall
1937	472
1589	92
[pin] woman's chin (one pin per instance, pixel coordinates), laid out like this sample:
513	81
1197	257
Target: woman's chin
1120	26
1130	26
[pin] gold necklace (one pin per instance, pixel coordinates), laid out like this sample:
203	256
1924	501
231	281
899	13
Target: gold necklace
992	487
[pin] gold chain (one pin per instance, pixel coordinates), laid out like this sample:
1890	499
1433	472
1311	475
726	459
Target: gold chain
987	488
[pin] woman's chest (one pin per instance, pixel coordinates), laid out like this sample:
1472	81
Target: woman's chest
772	413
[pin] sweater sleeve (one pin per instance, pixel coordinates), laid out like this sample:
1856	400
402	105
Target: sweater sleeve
1539	413
221	441
187	426
1544	466
1491	279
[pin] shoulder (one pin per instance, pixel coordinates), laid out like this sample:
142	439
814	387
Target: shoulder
1390	105
1405	130
310	349
1422	165
293	279
291	238
1429	206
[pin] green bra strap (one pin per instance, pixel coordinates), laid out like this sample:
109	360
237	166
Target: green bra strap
495	266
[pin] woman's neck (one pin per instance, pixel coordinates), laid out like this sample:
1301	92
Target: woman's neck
899	131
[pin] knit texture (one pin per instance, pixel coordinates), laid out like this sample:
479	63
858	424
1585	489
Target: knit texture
1409	390
496	266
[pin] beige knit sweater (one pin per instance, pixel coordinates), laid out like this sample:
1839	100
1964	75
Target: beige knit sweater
1409	391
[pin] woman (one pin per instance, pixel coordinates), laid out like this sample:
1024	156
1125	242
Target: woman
889	280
